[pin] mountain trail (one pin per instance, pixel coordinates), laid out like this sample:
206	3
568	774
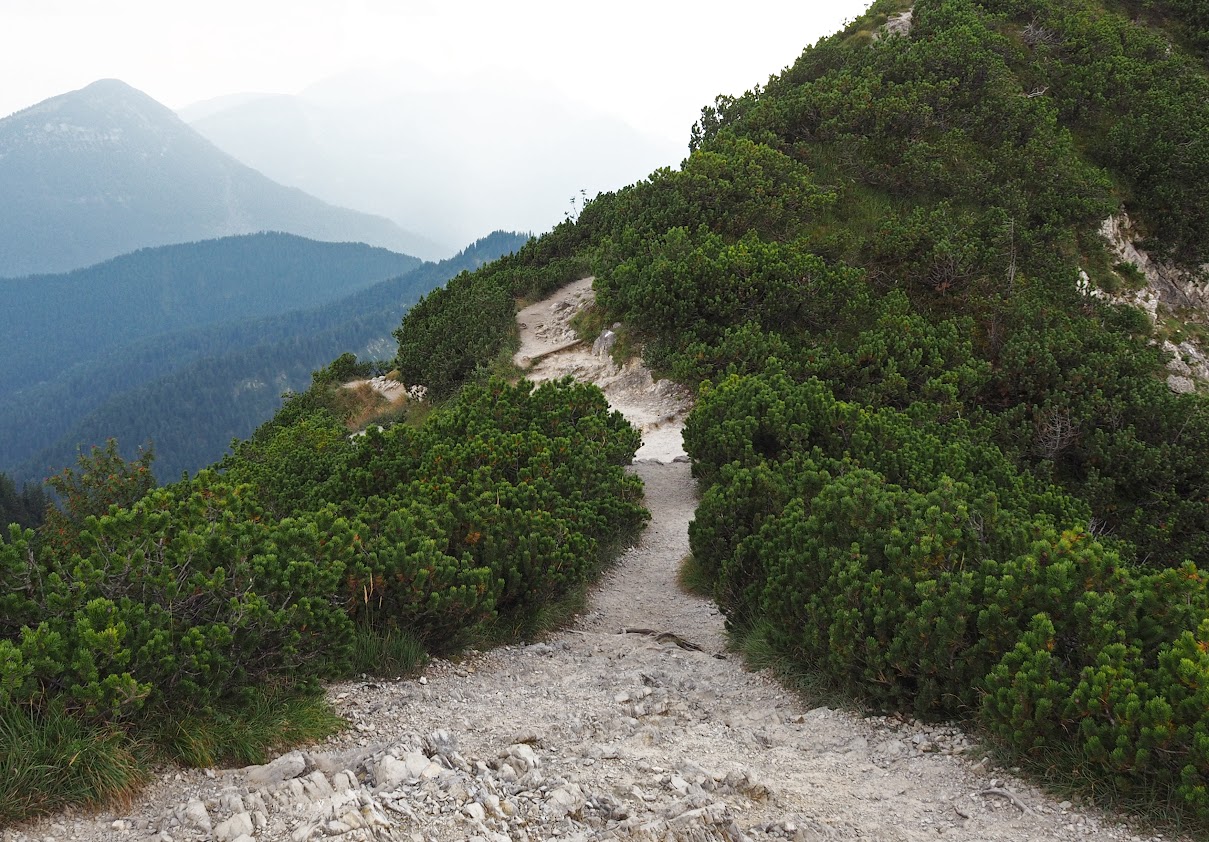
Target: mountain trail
551	349
634	724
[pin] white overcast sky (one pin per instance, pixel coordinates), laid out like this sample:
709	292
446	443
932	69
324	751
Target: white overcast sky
653	63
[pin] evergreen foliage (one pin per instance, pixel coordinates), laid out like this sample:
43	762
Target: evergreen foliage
932	467
903	557
23	507
143	611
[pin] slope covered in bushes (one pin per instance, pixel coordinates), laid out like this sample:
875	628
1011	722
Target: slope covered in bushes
154	615
935	468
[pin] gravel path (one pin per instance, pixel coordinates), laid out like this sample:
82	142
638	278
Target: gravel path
598	734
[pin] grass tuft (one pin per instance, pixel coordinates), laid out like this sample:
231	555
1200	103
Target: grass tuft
359	405
559	614
589	322
534	623
250	731
52	760
693	579
1134	277
386	654
1065	772
813	687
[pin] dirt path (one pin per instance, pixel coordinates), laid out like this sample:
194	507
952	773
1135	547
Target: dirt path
598	734
551	349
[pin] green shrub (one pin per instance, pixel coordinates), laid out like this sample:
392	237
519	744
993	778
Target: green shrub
452	331
1140	723
839	533
404	576
507	499
101	479
199	619
185	599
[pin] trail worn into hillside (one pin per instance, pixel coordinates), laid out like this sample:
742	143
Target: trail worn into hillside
635	724
550	349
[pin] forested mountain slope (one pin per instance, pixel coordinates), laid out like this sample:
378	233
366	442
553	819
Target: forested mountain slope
940	467
190	391
74	340
49	321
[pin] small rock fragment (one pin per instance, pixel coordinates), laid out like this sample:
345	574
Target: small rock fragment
197	816
566	800
282	769
238	825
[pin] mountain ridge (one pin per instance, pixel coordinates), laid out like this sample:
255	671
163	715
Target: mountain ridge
99	172
48	319
451	158
236	373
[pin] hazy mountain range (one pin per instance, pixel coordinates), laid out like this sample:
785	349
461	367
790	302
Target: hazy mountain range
448	157
135	301
106	170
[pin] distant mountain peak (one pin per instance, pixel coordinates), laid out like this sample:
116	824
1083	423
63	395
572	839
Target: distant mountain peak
106	169
103	94
106	112
113	86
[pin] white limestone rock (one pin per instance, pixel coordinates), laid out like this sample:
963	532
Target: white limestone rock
282	769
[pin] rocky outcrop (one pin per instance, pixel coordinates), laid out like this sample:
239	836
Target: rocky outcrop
1188	366
1172	286
550	349
1169	288
897	25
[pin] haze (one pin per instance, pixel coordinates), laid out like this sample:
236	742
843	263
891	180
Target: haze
636	74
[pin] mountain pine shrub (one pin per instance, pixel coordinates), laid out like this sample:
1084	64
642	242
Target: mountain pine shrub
841	532
188	616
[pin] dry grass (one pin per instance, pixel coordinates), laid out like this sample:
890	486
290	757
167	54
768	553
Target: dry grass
360	405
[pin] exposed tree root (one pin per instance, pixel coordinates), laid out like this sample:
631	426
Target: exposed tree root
664	637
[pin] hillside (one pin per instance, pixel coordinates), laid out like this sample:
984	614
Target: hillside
47	321
103	171
635	723
941	465
235	370
940	473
